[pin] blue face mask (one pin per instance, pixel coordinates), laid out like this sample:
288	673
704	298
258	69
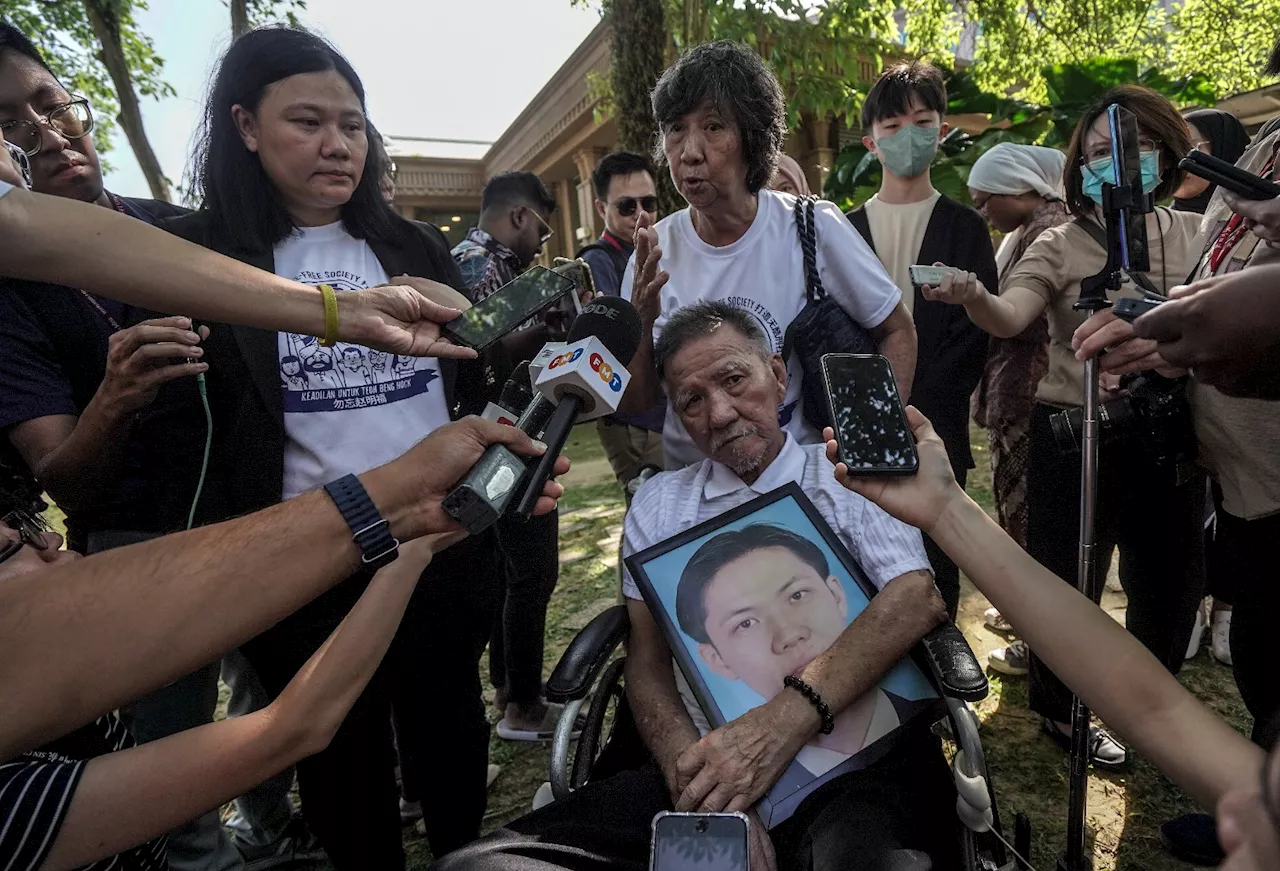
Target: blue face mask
1099	171
908	152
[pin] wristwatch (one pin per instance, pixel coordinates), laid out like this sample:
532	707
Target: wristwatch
368	527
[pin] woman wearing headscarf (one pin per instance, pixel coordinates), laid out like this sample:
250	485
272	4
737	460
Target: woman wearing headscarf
789	178
1018	188
1213	132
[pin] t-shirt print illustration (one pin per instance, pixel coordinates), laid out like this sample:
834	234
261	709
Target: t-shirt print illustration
345	377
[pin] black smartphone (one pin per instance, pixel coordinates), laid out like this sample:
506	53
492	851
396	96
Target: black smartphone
1132	309
699	842
1126	161
871	426
507	308
1229	176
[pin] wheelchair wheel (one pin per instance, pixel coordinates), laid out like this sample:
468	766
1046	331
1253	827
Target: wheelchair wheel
608	695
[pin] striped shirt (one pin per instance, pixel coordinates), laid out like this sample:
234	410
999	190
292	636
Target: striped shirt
36	791
671	502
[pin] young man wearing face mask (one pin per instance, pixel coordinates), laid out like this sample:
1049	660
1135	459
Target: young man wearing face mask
909	222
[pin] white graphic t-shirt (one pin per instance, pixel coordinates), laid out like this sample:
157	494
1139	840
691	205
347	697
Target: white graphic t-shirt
347	408
763	274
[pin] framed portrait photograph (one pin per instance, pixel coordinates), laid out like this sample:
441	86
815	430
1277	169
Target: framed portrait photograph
756	594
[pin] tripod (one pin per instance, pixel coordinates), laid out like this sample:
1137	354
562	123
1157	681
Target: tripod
1117	203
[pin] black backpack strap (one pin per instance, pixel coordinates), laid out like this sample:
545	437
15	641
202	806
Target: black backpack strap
805	228
1099	235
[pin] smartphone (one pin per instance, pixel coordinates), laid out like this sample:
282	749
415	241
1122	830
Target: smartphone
871	426
1132	309
19	158
930	275
507	308
1229	176
699	842
1126	162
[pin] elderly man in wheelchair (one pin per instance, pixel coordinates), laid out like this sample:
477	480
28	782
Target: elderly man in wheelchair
900	811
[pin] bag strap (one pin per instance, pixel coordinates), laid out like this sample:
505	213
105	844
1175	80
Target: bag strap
805	228
1099	235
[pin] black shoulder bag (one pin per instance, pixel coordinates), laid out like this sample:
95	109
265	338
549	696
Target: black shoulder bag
822	327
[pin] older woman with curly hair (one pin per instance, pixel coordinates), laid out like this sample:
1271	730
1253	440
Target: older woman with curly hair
721	122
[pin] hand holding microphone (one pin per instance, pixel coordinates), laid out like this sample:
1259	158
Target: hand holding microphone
582	380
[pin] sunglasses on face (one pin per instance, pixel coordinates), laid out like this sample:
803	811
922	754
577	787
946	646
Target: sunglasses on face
626	206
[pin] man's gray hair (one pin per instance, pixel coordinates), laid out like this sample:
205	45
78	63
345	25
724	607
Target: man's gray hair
733	79
702	319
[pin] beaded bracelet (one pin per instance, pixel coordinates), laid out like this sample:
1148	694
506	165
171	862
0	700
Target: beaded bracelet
824	712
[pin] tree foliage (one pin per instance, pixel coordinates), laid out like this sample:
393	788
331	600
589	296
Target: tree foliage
1228	40
248	14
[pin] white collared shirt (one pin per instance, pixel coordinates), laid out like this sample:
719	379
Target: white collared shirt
671	502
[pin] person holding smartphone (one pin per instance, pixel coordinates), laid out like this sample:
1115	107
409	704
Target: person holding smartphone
288	183
1150	509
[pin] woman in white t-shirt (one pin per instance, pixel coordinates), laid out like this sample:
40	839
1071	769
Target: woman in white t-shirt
722	119
289	183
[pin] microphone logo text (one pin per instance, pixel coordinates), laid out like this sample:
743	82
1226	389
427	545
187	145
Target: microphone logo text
606	372
568	357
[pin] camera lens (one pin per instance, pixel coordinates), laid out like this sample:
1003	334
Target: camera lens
700	827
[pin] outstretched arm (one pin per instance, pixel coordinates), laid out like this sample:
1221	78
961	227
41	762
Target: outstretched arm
167	274
1113	673
79	640
165	783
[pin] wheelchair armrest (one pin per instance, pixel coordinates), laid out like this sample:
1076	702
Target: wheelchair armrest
954	664
587	654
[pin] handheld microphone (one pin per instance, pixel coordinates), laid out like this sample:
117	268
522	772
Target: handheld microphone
586	379
516	395
484	494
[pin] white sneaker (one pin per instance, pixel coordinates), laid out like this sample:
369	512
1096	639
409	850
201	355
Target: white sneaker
1197	633
491	775
1220	639
1013	660
996	622
544	796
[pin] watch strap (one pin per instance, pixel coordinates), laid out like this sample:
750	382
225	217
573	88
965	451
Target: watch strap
369	528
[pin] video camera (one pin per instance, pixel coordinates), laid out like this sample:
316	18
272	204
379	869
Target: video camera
1153	411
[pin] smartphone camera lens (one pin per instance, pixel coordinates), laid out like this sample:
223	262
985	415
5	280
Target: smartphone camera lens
700	827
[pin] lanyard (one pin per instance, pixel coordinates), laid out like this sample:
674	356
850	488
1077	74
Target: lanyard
1235	229
119	206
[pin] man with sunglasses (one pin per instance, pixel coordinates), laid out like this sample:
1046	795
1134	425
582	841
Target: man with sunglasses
97	398
625	189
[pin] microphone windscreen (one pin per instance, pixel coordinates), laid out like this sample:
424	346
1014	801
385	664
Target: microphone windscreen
517	393
613	321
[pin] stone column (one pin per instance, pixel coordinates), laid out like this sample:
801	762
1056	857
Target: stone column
566	244
584	162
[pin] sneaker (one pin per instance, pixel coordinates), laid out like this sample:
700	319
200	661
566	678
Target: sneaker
1220	637
296	845
1104	751
1197	633
544	731
544	796
1013	660
995	621
411	811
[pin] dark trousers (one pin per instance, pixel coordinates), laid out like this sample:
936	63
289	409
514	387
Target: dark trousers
1156	523
1217	563
946	574
348	790
441	730
1247	549
904	801
529	554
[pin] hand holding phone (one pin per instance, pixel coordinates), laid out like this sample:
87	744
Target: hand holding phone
1131	309
871	426
507	308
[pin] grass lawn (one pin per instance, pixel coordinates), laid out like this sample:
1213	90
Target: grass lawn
1029	772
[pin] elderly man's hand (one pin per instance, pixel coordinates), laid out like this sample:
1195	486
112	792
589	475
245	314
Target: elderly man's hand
409	491
733	766
920	499
1226	329
403	318
1260	216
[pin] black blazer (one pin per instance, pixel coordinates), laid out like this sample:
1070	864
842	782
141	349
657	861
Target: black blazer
245	393
951	349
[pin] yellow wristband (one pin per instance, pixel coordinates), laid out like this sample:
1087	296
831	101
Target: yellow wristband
330	316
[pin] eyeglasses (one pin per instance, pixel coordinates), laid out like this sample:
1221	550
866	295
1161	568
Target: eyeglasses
30	527
72	120
545	237
626	206
1103	152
